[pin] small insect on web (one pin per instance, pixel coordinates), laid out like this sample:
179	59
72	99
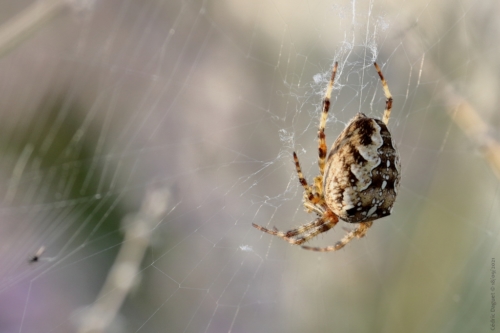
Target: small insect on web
358	181
37	255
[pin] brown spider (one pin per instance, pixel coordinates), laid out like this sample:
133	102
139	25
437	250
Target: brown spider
359	181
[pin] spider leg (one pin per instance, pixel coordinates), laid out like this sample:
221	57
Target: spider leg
293	232
327	225
388	96
318	186
302	180
359	232
306	231
324	115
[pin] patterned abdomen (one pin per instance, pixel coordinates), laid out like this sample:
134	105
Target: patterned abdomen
362	171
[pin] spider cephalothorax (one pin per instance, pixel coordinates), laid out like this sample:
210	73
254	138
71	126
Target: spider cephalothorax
358	180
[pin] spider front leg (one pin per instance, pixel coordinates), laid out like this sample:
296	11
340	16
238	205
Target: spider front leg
313	196
307	189
359	232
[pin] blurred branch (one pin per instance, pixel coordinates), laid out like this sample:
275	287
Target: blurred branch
125	270
458	108
466	117
25	24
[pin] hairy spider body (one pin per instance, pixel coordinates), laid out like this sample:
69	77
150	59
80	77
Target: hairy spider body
362	171
358	181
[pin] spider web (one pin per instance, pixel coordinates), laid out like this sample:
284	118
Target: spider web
155	133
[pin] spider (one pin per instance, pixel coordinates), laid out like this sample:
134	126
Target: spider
358	180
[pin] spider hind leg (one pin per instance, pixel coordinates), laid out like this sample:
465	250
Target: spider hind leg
359	232
306	231
387	93
322	149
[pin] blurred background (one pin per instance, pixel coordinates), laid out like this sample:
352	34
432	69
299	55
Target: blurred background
179	119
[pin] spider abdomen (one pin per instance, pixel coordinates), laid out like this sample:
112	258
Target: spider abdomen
362	171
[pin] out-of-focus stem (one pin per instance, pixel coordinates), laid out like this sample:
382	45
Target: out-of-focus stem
125	270
466	117
23	25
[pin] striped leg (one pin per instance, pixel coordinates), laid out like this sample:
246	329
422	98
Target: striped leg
291	233
304	232
302	180
388	96
359	232
324	115
327	225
